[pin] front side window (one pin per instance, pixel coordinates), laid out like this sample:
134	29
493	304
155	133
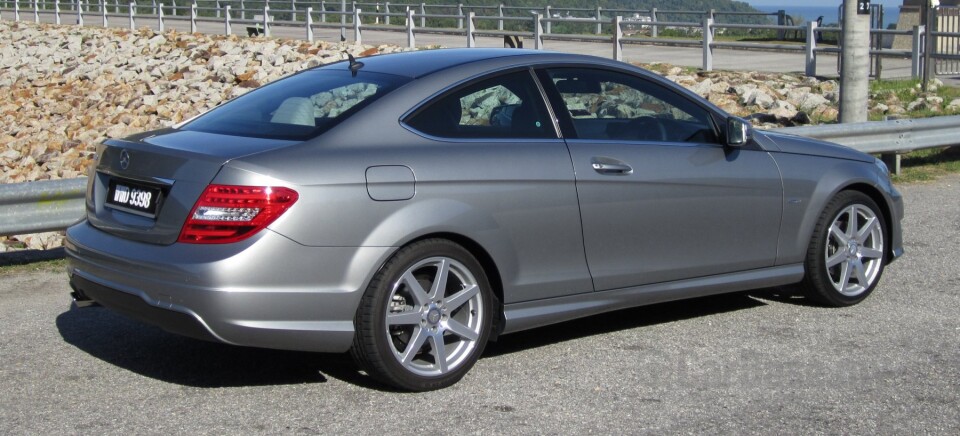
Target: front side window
609	105
297	108
506	106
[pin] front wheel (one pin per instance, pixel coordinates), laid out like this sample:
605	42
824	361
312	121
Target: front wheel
846	255
425	318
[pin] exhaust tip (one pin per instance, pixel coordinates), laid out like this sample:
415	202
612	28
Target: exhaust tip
81	300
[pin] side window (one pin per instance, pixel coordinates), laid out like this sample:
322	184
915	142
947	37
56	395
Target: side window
506	106
608	105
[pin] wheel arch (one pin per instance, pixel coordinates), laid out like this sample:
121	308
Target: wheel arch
878	198
490	269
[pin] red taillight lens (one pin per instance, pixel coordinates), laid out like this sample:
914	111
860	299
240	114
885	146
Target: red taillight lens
225	214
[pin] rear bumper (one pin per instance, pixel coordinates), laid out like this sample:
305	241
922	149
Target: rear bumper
267	291
135	307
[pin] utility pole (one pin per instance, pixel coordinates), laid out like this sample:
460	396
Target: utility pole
855	61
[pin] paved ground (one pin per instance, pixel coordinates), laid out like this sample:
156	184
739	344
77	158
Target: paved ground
724	59
743	363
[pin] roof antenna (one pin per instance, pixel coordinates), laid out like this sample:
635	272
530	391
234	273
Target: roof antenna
354	65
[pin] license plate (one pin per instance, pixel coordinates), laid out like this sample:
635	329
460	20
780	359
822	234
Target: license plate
136	198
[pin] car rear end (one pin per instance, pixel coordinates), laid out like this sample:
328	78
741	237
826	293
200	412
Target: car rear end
178	236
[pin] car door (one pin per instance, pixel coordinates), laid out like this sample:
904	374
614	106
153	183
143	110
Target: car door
661	198
498	156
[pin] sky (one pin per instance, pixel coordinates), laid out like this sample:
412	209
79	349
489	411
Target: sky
886	3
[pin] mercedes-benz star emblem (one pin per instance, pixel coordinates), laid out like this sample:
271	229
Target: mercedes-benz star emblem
124	159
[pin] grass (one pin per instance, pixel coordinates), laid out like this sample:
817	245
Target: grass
56	265
921	165
928	165
907	90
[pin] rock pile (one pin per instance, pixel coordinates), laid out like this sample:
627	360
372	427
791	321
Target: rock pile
67	87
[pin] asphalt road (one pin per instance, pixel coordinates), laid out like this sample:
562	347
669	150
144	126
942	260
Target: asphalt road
742	363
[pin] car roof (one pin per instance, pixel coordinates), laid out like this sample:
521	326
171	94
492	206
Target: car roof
420	63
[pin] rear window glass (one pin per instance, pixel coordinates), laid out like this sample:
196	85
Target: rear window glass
297	108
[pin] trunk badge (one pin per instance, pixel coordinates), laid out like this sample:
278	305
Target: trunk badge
124	159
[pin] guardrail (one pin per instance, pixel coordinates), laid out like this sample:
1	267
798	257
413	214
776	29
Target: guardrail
346	16
42	206
45	206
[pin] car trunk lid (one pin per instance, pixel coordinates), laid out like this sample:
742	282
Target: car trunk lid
144	186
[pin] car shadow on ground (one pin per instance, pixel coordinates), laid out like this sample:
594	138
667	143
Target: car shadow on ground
154	353
24	257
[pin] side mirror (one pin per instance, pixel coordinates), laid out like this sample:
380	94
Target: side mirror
739	132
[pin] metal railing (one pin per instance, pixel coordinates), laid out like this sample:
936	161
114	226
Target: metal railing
54	205
537	23
35	207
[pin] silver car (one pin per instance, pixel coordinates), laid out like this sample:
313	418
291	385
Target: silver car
412	207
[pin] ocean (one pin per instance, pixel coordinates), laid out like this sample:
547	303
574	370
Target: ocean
831	14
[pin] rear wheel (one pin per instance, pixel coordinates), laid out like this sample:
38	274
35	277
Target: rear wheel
425	318
846	254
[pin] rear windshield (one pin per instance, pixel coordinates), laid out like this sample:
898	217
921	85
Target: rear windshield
297	108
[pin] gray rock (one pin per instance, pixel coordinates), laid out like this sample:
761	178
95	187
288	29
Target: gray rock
758	98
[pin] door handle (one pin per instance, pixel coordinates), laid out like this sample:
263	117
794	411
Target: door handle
605	165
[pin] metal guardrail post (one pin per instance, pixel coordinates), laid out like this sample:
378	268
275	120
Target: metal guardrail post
386	10
323	12
227	30
707	41
781	21
193	17
617	36
131	11
811	49
356	26
16	11
423	13
599	20
56	12
309	23
546	13
654	31
411	39
537	32
103	12
36	12
460	16
915	54
217	5
173	7
471	41
266	20
243	10
343	20
293	8
80	13
500	14
160	18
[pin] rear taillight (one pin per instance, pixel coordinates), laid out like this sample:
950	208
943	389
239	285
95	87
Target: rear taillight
225	214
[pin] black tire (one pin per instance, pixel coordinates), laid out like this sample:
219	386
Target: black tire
829	255
403	354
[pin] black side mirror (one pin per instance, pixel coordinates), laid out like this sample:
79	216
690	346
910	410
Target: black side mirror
739	132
